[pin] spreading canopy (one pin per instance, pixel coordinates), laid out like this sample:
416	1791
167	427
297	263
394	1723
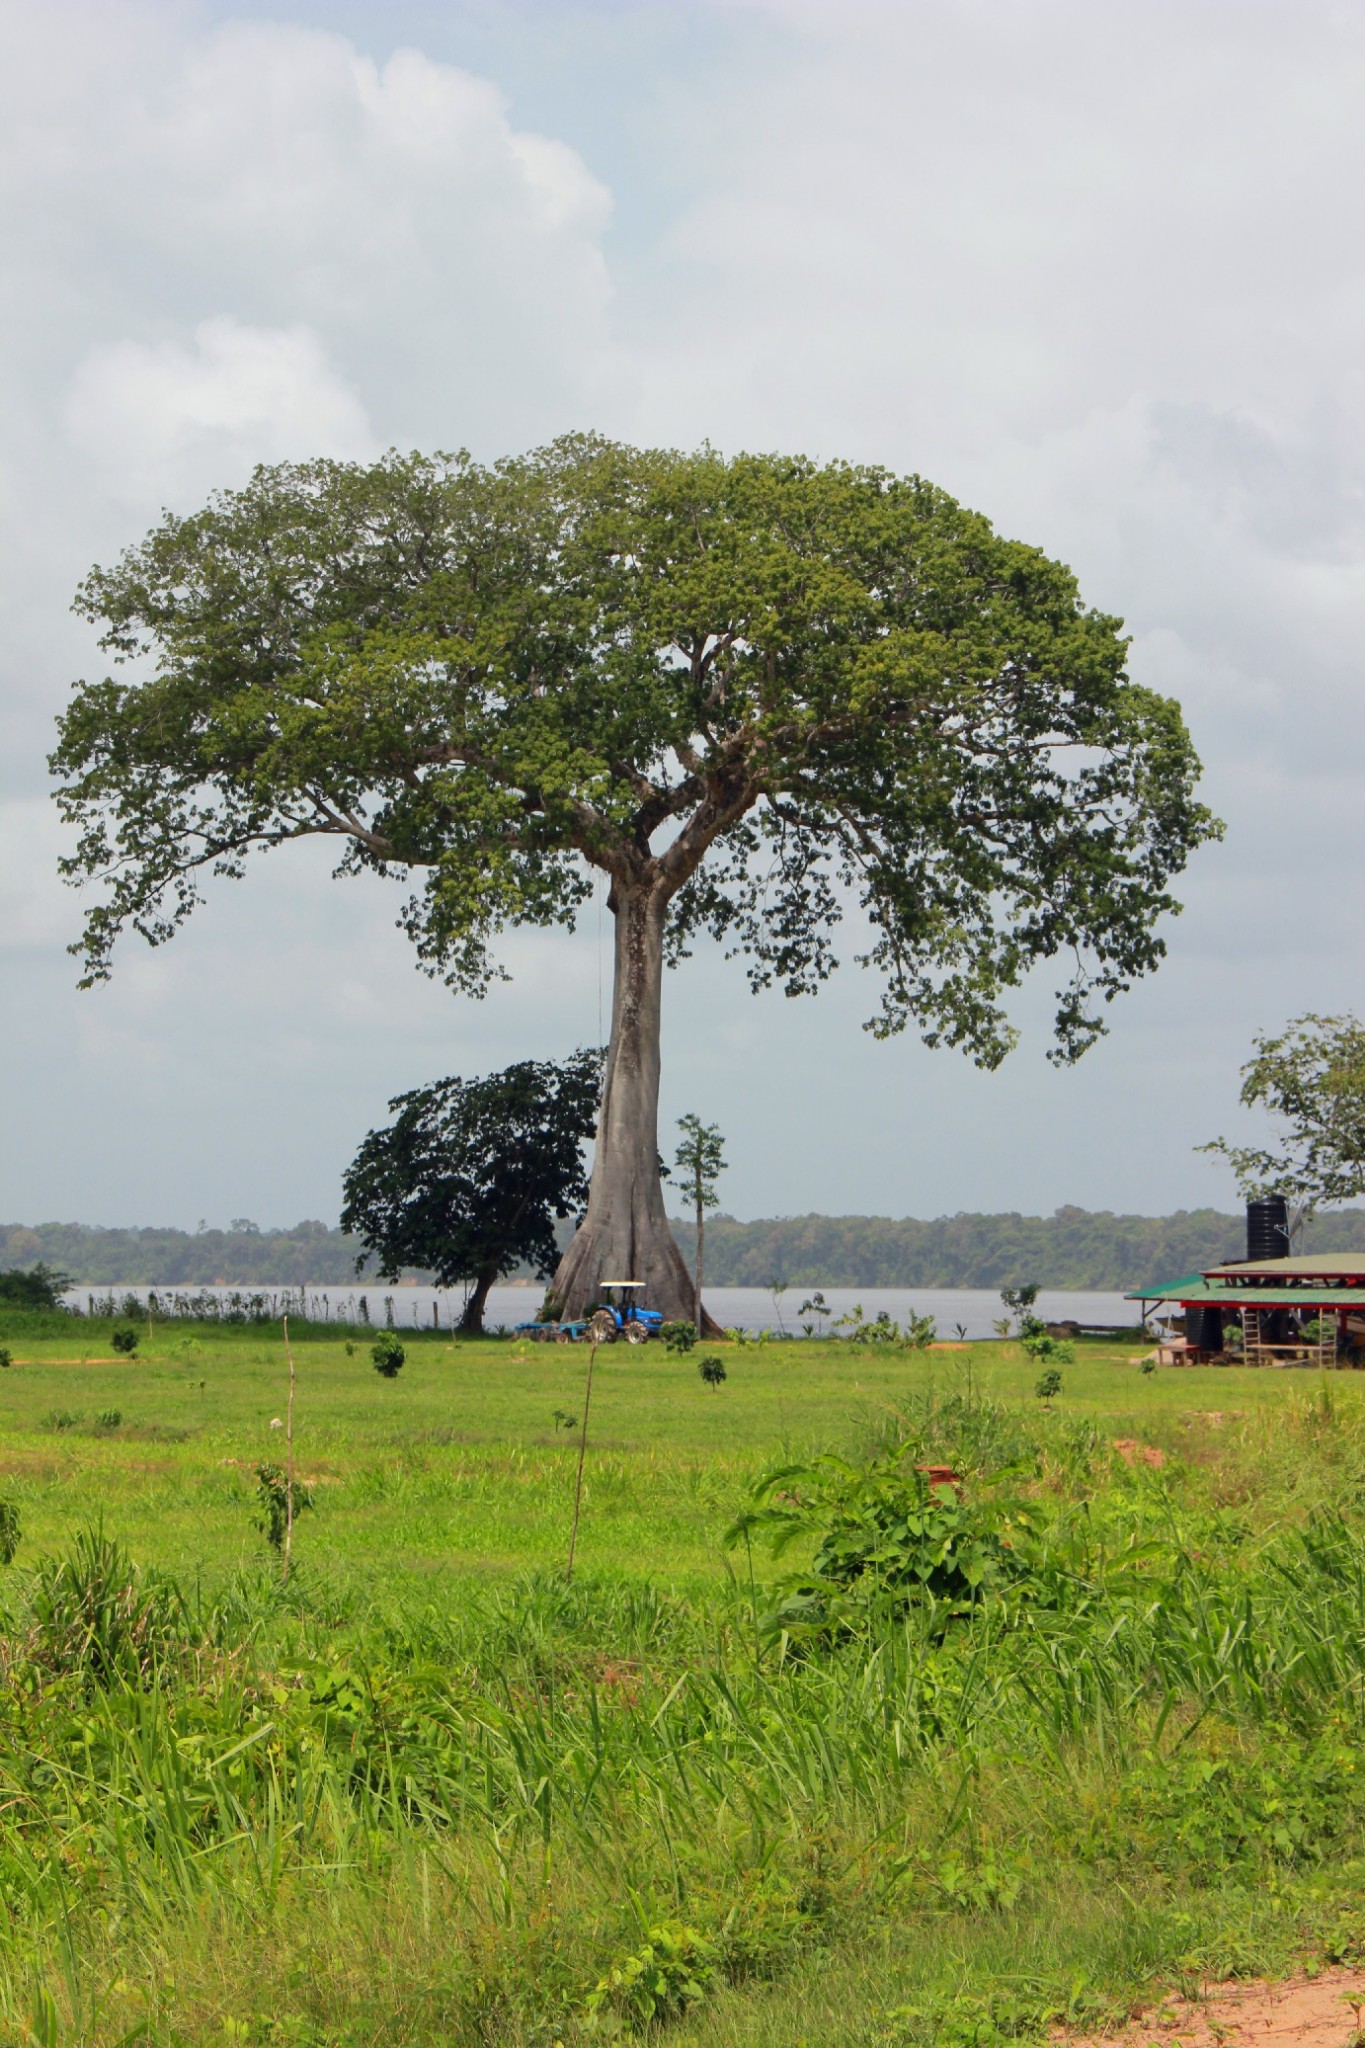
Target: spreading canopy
468	1180
835	681
1311	1078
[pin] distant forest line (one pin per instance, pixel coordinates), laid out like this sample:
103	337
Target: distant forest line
1074	1248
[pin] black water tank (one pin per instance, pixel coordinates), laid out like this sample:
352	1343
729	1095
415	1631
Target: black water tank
1205	1328
1268	1228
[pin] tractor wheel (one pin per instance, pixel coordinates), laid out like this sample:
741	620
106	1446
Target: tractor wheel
636	1333
602	1328
563	1336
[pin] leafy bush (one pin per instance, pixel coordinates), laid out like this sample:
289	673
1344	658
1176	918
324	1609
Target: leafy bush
388	1355
1049	1385
6	1357
62	1418
39	1287
712	1369
272	1490
678	1337
917	1333
1042	1348
9	1530
672	1971
125	1340
890	1537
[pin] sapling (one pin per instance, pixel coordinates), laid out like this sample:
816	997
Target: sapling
388	1355
712	1370
6	1357
1049	1386
125	1341
679	1337
275	1495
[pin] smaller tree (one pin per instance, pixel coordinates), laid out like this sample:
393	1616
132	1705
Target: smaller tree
468	1180
39	1287
1311	1076
1019	1301
698	1166
388	1355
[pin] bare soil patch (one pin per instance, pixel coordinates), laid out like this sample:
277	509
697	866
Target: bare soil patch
1307	2012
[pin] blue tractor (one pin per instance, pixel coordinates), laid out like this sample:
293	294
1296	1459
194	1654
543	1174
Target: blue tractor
621	1313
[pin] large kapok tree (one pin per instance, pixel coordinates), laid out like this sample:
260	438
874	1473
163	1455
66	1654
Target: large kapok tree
753	693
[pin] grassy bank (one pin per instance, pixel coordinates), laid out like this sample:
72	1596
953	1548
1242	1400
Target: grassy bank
428	1792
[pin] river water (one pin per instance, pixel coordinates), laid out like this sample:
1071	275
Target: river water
966	1312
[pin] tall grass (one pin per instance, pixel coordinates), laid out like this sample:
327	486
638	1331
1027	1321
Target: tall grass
286	1809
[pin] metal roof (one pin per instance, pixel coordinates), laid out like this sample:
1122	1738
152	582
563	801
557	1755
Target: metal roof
1316	1266
1196	1292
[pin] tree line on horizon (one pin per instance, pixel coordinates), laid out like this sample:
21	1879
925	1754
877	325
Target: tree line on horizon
1073	1248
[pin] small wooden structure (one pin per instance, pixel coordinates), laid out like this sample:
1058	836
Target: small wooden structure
1291	1311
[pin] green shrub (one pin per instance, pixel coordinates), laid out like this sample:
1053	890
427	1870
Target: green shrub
888	1539
388	1354
9	1530
6	1357
678	1337
672	1971
125	1340
109	1418
96	1614
39	1287
272	1491
712	1369
62	1418
1049	1386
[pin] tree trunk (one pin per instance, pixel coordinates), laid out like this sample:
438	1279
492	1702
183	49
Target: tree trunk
471	1322
701	1226
624	1234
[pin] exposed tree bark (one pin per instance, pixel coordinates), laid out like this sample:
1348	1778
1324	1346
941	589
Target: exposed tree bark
471	1322
701	1226
624	1234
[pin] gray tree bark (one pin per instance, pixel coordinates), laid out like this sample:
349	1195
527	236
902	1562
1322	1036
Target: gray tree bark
624	1234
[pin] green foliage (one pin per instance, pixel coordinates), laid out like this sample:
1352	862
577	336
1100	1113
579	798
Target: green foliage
467	1181
887	1538
254	1813
388	1354
1019	1300
109	1418
671	1971
700	1161
58	1419
1311	1076
679	1337
272	1491
916	1334
9	1530
1049	1386
6	1357
824	678
124	1340
95	1615
39	1287
712	1369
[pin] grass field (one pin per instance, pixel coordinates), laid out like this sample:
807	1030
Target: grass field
429	1792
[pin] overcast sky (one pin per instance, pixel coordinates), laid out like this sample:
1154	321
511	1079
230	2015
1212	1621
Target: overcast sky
1098	271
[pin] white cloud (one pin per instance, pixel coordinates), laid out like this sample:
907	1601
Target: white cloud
163	417
1100	271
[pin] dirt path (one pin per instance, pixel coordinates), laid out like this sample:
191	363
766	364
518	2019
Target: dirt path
1327	2011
